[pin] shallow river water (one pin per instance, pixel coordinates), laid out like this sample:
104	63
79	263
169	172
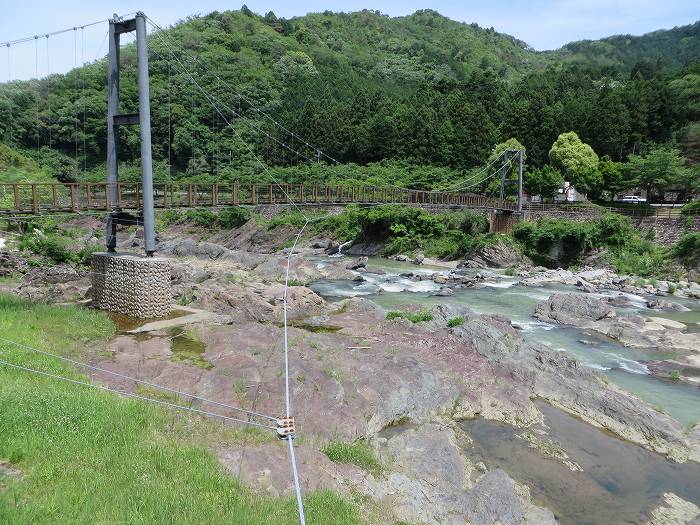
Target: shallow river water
620	482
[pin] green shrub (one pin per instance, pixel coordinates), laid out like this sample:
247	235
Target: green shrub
455	321
357	453
614	230
510	271
423	315
405	229
692	208
642	258
687	249
573	238
229	218
291	217
47	244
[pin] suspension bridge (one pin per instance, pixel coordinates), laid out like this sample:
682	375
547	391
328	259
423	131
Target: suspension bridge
40	198
119	199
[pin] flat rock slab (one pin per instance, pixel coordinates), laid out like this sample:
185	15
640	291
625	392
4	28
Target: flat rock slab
195	316
668	323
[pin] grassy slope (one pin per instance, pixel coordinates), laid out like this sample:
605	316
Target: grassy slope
90	457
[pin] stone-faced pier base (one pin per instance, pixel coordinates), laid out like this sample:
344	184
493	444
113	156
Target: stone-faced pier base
131	285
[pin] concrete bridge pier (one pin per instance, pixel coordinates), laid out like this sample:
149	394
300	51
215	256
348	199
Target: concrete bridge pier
131	285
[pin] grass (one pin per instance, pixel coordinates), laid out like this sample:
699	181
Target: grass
417	317
357	453
331	373
88	456
675	375
455	321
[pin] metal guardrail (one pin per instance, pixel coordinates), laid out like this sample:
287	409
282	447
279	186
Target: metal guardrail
28	198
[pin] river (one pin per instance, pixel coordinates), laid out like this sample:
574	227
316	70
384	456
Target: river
623	366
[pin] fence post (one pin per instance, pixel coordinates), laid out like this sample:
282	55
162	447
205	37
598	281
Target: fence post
35	204
15	189
73	200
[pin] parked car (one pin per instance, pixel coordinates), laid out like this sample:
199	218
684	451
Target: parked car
634	199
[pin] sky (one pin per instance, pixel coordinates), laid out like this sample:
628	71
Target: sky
544	24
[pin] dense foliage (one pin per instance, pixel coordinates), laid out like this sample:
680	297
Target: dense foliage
555	242
421	90
406	229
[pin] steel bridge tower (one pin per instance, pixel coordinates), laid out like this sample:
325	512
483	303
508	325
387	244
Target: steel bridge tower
116	215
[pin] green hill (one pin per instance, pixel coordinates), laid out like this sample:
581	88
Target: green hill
664	49
363	87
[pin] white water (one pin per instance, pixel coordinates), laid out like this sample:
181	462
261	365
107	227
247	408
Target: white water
622	365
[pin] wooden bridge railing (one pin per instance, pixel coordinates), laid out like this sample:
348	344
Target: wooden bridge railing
28	198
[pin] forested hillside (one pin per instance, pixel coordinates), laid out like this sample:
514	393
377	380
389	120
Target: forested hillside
622	55
420	90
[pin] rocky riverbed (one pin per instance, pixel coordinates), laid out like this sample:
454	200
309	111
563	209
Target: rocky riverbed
407	388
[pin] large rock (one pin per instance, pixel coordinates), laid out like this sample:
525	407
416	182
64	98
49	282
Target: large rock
11	262
663	305
184	247
675	511
498	255
573	309
597	314
432	481
360	262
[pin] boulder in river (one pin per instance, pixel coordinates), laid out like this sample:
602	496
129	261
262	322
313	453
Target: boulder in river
419	258
439	278
675	511
597	314
663	305
573	308
361	262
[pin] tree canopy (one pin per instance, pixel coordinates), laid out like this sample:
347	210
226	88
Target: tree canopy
577	161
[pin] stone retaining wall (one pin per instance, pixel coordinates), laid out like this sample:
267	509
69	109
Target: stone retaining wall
667	229
131	285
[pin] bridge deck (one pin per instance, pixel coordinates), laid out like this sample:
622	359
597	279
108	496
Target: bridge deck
28	198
